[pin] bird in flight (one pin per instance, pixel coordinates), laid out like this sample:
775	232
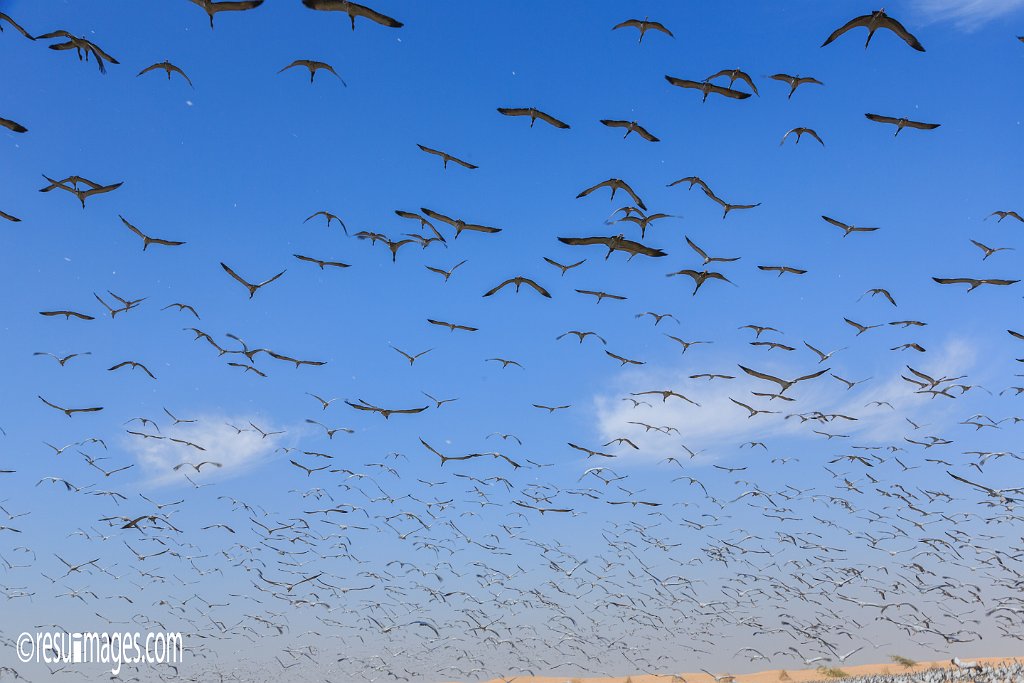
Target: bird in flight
330	218
800	131
974	284
795	82
213	7
167	67
313	67
518	281
709	259
146	239
901	123
93	187
248	285
69	411
412	358
726	206
600	296
847	229
1005	214
643	27
872	22
734	75
989	250
616	243
459	224
82	46
615	184
631	127
353	10
62	359
784	384
707	88
782	270
700	277
564	268
67	315
445	157
534	115
384	412
323	264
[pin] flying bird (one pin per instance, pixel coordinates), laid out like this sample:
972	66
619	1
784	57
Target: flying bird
445	158
518	281
974	284
800	131
93	187
353	10
534	115
248	285
614	184
330	218
700	277
734	75
795	82
707	88
82	46
146	239
616	243
643	27
872	22
847	229
323	264
631	127
313	67
69	411
784	384
213	7
167	67
902	123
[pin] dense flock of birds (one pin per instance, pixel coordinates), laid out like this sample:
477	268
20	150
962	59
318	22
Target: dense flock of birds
487	568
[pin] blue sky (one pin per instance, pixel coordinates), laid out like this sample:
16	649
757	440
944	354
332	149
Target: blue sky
234	165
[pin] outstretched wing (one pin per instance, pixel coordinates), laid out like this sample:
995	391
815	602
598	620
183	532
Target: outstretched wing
852	24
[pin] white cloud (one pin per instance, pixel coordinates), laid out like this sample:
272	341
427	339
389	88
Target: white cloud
967	14
237	452
719	423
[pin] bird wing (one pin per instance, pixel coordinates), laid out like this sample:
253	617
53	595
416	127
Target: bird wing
898	28
878	118
852	24
267	282
13	126
547	118
761	375
584	241
233	274
498	288
373	15
729	92
811	376
17	27
540	290
684	83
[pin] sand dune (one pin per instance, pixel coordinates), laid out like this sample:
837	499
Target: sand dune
768	676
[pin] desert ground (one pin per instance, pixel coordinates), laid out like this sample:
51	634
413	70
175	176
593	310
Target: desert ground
767	676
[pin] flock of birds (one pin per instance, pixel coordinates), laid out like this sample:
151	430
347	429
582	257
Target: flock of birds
476	570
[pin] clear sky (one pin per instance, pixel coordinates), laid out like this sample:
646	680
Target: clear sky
234	165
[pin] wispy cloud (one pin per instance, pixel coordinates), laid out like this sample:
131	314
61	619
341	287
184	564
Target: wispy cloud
881	406
967	14
236	451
